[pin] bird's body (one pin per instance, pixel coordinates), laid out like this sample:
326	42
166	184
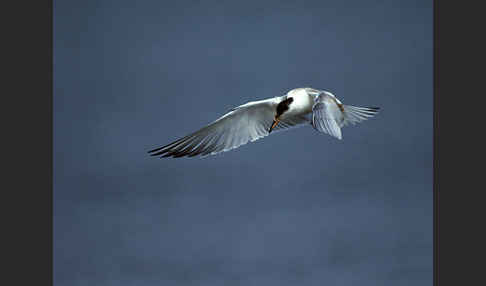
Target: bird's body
257	119
301	105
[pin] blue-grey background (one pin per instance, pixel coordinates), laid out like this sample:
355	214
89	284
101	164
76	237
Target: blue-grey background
296	208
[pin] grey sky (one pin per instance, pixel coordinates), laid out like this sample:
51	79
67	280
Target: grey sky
295	208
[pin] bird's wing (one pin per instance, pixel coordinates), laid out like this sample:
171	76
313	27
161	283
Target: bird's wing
354	114
291	122
244	123
327	115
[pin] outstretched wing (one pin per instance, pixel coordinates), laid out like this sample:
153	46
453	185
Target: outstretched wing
354	114
327	115
248	122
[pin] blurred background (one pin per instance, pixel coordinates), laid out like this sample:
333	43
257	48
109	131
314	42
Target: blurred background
296	208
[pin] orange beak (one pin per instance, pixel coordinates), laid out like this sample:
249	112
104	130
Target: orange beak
275	122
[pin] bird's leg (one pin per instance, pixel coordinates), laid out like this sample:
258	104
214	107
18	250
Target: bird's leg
275	122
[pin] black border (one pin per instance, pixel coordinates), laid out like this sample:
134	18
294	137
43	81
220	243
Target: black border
458	165
26	114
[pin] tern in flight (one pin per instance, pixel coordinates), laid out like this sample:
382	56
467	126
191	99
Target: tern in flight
257	119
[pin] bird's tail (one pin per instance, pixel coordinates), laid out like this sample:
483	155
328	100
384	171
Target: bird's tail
354	114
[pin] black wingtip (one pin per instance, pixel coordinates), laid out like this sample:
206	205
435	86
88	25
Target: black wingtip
154	150
158	153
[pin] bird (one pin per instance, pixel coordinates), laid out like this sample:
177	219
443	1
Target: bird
257	119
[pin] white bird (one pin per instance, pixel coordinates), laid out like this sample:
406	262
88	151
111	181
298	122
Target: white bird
257	119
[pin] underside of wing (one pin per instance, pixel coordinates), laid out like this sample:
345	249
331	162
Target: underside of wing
243	124
327	116
291	122
354	114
